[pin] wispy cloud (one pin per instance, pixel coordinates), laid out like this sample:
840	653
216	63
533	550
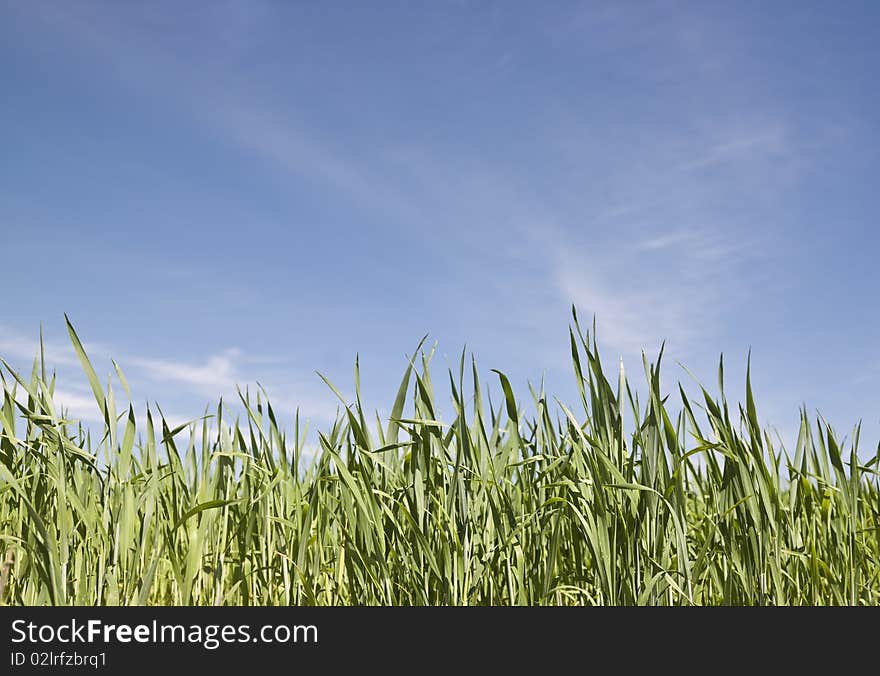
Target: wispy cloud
15	346
262	129
77	405
666	240
199	381
670	257
764	145
212	377
223	374
700	244
301	151
634	312
73	404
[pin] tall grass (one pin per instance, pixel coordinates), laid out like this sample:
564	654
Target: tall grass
670	500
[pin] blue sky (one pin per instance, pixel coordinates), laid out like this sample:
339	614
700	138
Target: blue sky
232	192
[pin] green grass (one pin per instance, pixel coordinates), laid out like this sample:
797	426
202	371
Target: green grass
611	500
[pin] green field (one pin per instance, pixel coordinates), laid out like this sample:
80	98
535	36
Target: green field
667	498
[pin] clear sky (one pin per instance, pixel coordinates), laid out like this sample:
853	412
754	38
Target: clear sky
242	191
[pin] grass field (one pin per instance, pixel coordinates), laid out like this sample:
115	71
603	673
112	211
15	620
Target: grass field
609	500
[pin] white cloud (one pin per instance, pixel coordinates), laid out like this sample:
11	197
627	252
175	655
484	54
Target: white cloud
749	146
217	374
667	259
632	319
14	346
74	404
665	240
77	405
700	244
198	382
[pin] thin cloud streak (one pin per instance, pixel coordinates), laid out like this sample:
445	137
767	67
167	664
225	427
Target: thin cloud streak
271	135
764	145
216	375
